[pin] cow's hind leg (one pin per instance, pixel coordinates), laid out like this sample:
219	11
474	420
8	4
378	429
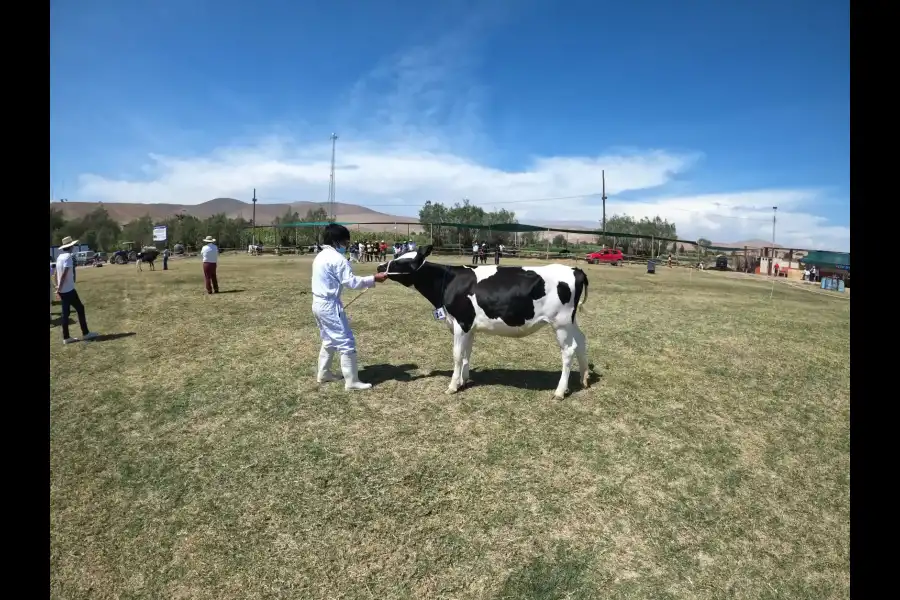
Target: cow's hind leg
581	352
566	336
468	343
460	341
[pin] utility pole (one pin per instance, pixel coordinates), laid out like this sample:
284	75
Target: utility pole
331	214
254	216
772	258
603	197
774	213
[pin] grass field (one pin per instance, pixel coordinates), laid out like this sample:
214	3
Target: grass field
198	458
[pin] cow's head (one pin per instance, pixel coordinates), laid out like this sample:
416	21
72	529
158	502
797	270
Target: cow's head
401	268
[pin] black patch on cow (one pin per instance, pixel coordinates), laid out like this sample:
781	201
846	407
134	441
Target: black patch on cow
565	294
509	295
446	286
456	297
581	285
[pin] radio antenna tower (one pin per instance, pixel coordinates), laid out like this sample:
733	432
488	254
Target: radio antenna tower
331	214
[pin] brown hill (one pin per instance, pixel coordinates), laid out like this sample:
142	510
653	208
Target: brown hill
123	212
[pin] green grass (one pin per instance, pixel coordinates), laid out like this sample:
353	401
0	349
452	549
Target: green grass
199	459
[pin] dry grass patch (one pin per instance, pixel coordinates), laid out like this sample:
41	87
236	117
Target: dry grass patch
198	458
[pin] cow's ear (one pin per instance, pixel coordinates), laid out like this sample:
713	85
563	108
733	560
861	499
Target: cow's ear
427	250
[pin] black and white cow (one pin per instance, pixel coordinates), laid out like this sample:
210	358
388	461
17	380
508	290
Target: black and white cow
505	301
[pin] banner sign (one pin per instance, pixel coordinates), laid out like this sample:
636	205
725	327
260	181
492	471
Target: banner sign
159	233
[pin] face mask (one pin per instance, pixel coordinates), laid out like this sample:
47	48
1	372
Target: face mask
341	249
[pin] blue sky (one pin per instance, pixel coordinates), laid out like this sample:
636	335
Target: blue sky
708	115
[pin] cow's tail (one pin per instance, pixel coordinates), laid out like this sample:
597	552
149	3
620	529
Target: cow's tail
581	291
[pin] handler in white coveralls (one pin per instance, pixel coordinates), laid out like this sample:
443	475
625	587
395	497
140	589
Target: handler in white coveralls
331	272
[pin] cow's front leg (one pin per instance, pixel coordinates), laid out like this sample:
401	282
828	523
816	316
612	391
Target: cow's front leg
565	336
459	347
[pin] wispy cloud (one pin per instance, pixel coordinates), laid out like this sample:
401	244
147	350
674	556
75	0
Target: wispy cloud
411	131
426	95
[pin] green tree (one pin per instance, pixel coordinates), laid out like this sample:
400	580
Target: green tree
432	213
704	245
559	240
530	238
96	229
139	231
286	235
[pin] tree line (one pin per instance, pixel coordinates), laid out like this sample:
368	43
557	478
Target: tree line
103	234
100	232
433	213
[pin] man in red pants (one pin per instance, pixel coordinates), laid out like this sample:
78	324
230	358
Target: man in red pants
210	255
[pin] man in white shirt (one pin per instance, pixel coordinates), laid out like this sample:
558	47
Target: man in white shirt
330	274
210	256
65	289
475	249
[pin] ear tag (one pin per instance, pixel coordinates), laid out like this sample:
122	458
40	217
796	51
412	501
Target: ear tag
439	314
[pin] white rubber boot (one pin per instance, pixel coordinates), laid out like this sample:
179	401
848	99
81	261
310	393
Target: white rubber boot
324	373
349	368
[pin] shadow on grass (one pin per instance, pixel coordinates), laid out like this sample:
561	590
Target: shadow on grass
561	576
231	291
107	337
56	322
376	374
525	379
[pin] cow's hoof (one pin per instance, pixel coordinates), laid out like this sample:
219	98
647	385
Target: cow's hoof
556	396
450	391
586	381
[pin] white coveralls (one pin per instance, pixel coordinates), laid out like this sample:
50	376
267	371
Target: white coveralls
331	272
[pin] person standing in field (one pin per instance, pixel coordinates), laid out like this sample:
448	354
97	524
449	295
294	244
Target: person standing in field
331	273
65	289
210	256
166	259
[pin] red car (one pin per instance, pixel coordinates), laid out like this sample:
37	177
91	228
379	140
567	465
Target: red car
611	256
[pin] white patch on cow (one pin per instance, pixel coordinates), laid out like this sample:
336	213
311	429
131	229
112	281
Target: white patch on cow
407	256
482	273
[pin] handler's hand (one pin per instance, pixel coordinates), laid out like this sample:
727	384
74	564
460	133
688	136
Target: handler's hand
380	277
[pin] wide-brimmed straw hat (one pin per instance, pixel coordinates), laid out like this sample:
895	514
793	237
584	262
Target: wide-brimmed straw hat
67	242
209	239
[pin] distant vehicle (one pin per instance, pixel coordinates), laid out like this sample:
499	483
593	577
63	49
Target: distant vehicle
85	257
55	251
610	256
722	263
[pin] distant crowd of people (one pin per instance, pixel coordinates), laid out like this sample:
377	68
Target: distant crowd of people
811	274
377	251
480	252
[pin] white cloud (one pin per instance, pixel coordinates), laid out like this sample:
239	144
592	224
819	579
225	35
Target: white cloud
410	133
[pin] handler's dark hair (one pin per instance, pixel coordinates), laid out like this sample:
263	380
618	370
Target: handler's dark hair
334	234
